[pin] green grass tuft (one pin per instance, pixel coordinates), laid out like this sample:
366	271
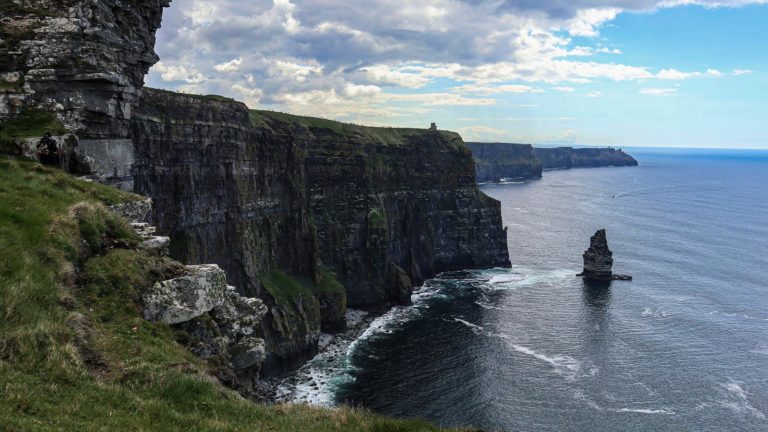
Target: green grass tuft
284	288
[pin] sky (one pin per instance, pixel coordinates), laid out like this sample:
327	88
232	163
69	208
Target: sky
669	73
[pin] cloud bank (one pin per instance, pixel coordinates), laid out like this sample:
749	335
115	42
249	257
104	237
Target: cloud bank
378	60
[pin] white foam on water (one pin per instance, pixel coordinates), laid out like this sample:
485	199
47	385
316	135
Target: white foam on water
737	399
524	278
564	365
646	411
655	313
489	306
579	395
478	330
315	383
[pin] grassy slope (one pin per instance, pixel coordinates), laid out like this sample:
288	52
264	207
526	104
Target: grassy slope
79	356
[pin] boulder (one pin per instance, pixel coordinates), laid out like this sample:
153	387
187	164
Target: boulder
181	299
238	316
248	352
134	211
156	245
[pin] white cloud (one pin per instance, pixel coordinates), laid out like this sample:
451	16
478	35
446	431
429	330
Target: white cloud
676	75
658	91
341	58
483	133
609	51
486	133
387	75
595	94
587	21
485	89
740	72
230	66
179	73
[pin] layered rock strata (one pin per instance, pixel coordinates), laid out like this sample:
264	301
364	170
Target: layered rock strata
84	62
347	215
598	260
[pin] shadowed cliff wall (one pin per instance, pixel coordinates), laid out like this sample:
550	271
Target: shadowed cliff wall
381	208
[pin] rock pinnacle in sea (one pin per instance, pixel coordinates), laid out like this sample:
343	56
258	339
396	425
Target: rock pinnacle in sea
598	260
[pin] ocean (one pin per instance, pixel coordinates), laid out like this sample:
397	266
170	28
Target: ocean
682	347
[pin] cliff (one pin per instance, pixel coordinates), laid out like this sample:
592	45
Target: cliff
569	157
78	67
495	161
310	215
76	354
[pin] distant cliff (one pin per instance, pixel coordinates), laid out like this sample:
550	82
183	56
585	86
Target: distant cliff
495	161
288	205
569	157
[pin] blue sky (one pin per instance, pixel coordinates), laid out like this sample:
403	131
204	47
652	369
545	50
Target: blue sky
595	72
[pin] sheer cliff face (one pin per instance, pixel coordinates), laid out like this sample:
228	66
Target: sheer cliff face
381	208
390	203
495	161
85	61
569	157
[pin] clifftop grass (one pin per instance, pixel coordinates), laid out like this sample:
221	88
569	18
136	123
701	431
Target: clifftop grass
377	135
75	353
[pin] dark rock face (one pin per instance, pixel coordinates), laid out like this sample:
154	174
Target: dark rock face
382	209
495	161
85	61
598	260
569	157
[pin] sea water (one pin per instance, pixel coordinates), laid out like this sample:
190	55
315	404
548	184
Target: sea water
682	347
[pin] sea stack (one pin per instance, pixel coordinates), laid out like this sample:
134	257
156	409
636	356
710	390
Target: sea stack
598	260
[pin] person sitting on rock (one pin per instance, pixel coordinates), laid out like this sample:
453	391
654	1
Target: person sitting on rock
48	151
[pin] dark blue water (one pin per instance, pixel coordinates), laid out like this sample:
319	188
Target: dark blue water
683	347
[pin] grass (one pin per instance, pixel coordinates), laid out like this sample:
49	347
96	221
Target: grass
377	135
75	353
283	288
28	125
286	288
328	284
